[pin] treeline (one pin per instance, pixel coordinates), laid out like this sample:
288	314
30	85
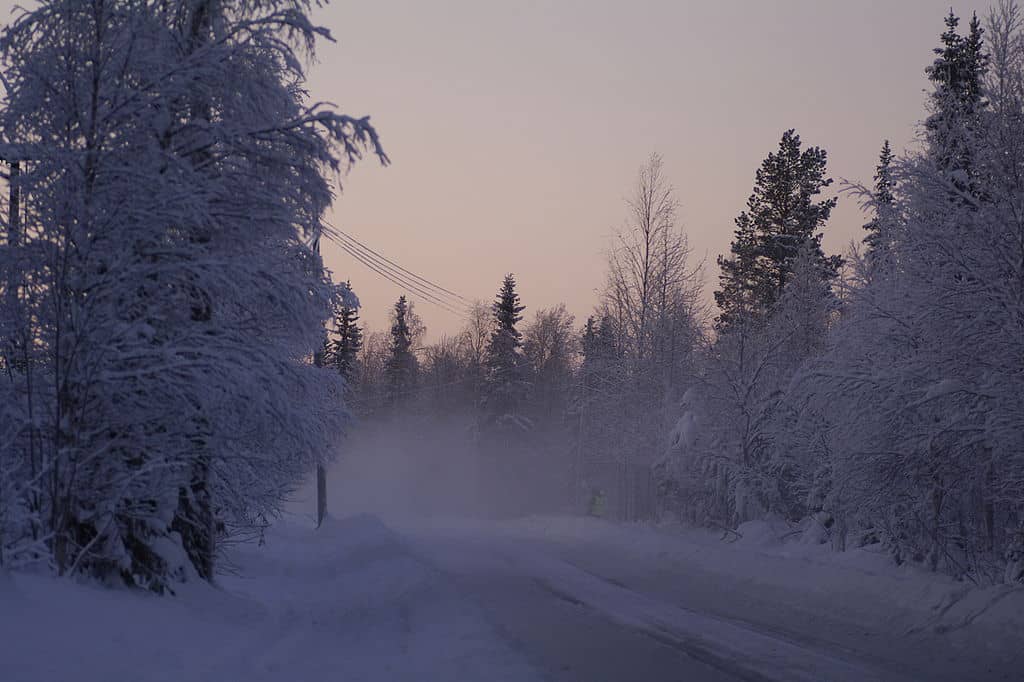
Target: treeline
504	381
872	399
558	412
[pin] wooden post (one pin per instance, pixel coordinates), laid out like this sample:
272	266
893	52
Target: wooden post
321	473
580	497
14	207
321	494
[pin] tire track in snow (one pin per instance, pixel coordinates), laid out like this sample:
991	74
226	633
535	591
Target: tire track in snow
737	649
692	648
734	648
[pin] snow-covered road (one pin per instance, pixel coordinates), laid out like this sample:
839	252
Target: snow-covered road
559	633
593	613
555	599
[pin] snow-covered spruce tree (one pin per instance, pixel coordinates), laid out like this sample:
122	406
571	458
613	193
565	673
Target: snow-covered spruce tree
776	305
882	227
402	368
817	429
924	381
343	349
504	431
507	386
781	216
805	309
174	174
957	102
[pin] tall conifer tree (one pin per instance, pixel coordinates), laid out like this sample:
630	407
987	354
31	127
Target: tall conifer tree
506	387
958	74
782	216
879	229
400	372
348	340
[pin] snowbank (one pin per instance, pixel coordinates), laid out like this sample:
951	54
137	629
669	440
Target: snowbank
346	601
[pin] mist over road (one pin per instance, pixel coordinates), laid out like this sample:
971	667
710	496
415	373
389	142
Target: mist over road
584	600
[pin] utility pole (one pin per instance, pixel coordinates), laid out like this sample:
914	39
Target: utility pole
321	473
14	207
580	496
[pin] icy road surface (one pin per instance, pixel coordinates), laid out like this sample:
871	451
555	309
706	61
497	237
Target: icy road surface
575	625
592	613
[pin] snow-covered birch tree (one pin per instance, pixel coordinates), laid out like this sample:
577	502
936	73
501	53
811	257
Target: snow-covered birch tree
174	176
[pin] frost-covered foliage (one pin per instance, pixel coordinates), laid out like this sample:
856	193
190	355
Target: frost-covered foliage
640	353
897	417
879	402
160	300
732	455
929	404
551	350
726	463
938	394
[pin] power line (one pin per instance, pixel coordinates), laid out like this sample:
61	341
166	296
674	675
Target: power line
404	284
432	294
423	280
405	280
398	275
401	283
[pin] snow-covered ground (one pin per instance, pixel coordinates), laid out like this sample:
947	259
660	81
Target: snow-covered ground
758	605
559	599
345	602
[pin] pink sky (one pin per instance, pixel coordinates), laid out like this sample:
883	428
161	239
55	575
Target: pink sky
516	128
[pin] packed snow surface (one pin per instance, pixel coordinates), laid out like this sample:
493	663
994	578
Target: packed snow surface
559	599
345	602
759	603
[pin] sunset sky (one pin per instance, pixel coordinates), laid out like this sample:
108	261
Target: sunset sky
516	129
